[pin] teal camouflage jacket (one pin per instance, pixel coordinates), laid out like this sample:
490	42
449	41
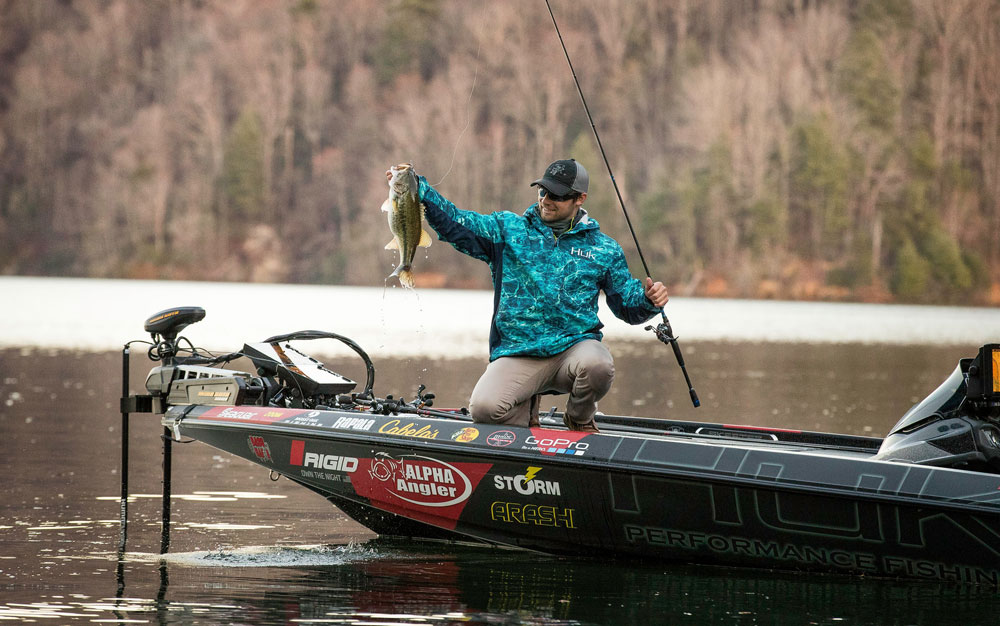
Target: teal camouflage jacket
545	288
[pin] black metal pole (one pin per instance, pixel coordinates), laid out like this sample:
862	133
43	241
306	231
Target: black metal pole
123	506
165	528
664	332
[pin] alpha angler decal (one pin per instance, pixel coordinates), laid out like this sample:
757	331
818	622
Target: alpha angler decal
422	480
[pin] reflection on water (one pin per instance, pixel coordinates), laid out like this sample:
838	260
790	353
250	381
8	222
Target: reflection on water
248	550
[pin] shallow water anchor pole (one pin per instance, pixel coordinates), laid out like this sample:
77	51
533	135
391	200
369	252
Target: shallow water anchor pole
165	527
123	512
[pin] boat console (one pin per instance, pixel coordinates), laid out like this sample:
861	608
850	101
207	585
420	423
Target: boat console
958	425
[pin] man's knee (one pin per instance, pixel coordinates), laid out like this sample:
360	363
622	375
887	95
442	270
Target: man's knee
597	366
488	408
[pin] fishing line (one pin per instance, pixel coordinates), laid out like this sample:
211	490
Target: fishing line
468	103
663	330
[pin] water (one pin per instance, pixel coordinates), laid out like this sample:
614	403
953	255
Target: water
245	549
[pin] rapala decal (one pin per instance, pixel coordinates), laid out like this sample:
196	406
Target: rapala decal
501	438
532	514
465	435
299	456
260	448
409	429
354	423
563	443
526	484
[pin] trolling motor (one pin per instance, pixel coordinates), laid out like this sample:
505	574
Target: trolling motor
284	378
958	424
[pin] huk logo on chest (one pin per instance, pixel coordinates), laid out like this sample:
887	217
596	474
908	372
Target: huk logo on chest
584	254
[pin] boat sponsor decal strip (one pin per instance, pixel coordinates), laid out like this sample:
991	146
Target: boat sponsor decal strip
532	514
501	438
465	435
299	456
354	423
258	445
248	414
550	442
419	487
526	484
408	429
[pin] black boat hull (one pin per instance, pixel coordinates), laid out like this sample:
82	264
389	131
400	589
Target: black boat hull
702	493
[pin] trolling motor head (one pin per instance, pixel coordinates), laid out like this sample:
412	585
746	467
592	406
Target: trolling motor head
167	324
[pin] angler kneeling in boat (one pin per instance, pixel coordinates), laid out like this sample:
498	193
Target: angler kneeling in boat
549	266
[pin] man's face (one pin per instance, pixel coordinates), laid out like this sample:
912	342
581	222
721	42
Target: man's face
553	210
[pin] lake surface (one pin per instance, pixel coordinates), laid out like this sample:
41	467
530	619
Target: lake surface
248	550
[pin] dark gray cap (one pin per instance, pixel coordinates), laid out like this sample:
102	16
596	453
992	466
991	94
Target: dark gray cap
562	177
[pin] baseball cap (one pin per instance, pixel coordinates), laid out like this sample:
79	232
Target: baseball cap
564	176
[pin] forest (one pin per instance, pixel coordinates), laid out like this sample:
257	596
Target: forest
790	149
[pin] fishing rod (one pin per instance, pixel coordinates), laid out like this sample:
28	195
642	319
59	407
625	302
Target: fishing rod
663	330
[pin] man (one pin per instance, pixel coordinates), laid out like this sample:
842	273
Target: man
549	265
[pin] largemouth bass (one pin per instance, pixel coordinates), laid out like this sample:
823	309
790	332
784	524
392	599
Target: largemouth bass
406	215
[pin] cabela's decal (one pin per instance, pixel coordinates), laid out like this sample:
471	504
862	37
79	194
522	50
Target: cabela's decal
260	448
536	514
501	438
409	429
568	443
465	435
526	484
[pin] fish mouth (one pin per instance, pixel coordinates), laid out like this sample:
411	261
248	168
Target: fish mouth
402	167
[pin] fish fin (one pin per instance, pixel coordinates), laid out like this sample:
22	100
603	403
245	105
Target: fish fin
387	205
393	244
405	276
425	239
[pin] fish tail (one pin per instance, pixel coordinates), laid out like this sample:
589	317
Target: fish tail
405	276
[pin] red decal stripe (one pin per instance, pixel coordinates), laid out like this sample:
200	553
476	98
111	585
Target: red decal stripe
298	451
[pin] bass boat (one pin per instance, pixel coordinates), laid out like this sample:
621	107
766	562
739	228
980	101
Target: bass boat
924	502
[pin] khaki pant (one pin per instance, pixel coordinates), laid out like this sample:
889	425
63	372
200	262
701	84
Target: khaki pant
508	389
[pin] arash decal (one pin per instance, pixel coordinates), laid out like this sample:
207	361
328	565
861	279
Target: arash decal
526	484
536	514
563	443
397	427
260	448
465	435
501	438
422	480
354	423
332	462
